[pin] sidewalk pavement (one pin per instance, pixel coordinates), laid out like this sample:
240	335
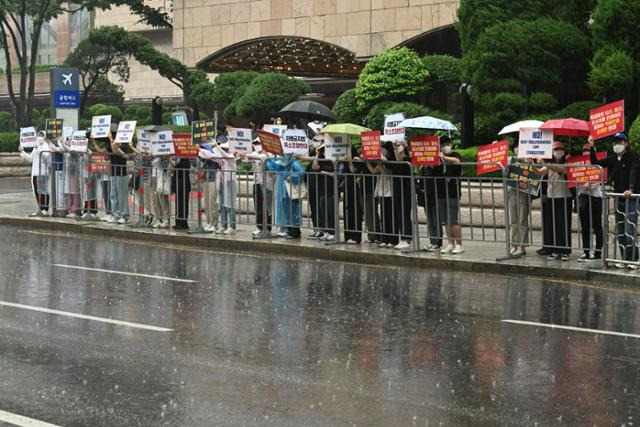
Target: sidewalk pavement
479	256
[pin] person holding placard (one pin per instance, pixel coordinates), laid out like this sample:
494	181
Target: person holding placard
39	158
143	162
162	206
118	180
320	182
262	188
209	179
448	189
71	180
99	146
290	191
623	168
402	196
181	186
559	195
227	187
430	177
519	211
590	214
384	198
352	200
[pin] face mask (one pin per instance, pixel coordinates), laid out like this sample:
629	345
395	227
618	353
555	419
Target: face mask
618	148
446	149
558	154
515	151
40	140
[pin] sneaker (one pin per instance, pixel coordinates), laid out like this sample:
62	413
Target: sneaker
149	219
403	245
554	257
632	267
620	265
229	231
584	258
448	249
565	257
543	252
390	246
106	218
520	252
351	242
457	250
514	251
323	237
157	224
256	232
85	216
123	221
315	235
382	245
112	220
71	215
44	213
330	237
282	234
218	230
165	224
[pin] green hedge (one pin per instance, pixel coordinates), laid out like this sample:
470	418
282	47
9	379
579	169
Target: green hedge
9	142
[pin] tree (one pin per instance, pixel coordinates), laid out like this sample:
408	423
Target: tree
21	24
95	62
393	75
346	108
265	96
522	57
107	92
611	75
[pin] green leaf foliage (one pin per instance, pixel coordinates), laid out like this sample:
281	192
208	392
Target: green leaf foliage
611	74
9	142
393	75
226	85
346	108
103	110
577	110
634	135
444	69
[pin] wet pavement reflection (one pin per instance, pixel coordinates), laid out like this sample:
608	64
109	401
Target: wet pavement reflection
268	341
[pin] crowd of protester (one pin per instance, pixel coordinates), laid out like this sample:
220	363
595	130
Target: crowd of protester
378	196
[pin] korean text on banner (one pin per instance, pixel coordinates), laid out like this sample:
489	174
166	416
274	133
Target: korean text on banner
275	129
497	153
100	126
28	137
371	149
521	176
53	128
336	146
202	131
392	132
125	132
79	141
239	140
425	150
295	142
606	120
580	175
144	143
270	143
162	143
535	144
99	163
182	146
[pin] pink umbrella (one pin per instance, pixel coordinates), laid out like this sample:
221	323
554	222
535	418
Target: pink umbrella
567	127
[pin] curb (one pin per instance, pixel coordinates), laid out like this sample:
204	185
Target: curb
333	253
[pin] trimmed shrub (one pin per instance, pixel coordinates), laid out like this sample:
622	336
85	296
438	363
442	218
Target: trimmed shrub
346	108
634	135
578	110
9	142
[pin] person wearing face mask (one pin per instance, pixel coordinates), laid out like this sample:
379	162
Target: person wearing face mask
559	196
384	198
622	169
590	215
519	211
39	172
448	189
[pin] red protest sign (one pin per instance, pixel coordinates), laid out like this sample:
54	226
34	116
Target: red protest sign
270	143
607	120
371	149
580	175
99	163
493	153
425	150
183	147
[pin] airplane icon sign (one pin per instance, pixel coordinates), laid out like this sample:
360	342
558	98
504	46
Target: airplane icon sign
66	79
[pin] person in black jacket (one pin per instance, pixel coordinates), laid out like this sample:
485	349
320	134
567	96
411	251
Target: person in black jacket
622	169
182	188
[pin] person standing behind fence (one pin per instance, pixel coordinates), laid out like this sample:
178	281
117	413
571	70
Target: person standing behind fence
39	157
384	197
430	177
262	189
181	186
290	191
352	201
448	189
312	178
210	172
559	196
622	168
402	196
326	191
590	214
519	211
369	202
227	187
162	192
119	181
71	180
91	180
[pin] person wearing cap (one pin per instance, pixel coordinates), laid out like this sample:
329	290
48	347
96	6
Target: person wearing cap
590	215
559	195
622	167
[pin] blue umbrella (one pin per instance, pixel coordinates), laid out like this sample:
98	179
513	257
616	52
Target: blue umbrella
427	122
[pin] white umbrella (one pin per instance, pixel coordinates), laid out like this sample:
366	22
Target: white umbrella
515	127
427	122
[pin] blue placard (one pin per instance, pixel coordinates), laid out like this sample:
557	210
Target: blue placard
66	98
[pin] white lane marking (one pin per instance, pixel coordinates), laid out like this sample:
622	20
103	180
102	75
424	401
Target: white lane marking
22	421
570	328
86	317
148	276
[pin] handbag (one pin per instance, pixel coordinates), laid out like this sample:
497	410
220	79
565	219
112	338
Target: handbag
296	191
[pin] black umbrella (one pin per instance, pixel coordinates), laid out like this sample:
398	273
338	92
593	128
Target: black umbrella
309	109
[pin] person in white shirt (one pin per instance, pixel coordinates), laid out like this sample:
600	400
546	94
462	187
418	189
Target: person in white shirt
39	158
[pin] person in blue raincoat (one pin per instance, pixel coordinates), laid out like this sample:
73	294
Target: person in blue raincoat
290	191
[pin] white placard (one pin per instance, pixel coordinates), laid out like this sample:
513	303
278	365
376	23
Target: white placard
125	131
316	126
535	144
100	126
144	143
28	137
239	140
295	142
67	132
336	146
79	141
391	130
162	143
275	129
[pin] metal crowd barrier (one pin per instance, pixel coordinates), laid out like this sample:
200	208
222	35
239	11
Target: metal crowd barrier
347	202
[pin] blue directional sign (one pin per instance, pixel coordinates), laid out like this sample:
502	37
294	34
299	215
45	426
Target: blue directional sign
65	85
67	98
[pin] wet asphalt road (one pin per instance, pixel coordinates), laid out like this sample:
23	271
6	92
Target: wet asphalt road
277	342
